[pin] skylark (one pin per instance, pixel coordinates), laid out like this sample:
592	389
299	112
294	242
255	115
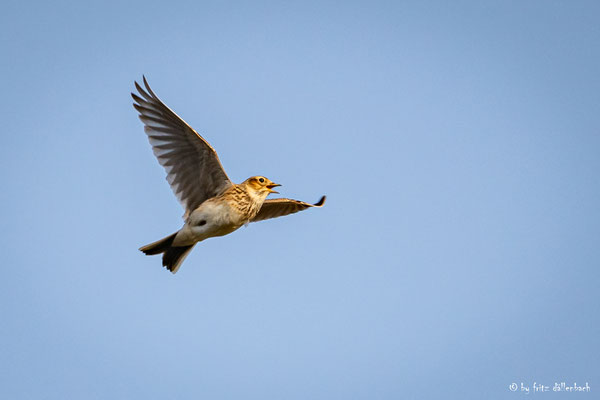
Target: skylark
214	206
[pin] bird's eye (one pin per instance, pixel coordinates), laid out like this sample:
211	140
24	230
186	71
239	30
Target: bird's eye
261	180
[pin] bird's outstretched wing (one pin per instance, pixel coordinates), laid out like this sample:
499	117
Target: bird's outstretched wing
193	167
273	208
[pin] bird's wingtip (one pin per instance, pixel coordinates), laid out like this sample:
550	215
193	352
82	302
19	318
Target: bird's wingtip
320	202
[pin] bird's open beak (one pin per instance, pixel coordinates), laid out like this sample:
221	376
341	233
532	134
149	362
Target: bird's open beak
270	186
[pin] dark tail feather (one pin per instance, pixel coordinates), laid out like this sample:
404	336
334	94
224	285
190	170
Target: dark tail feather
173	255
160	246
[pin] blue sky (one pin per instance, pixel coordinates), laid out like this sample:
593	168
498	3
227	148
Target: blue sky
458	145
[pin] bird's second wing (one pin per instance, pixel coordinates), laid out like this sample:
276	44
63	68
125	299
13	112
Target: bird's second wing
273	208
193	167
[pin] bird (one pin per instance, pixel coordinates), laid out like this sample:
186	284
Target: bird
214	205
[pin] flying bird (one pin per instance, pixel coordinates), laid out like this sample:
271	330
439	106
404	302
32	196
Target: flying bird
214	206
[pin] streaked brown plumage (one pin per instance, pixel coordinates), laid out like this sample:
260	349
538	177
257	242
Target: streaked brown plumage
214	206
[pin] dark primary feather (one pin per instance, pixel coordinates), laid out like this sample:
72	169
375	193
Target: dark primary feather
273	208
193	167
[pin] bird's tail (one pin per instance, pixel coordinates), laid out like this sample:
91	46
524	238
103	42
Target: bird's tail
173	256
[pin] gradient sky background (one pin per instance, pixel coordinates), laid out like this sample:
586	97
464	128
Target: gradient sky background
458	252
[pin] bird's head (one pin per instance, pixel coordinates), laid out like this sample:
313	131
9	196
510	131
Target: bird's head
261	185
